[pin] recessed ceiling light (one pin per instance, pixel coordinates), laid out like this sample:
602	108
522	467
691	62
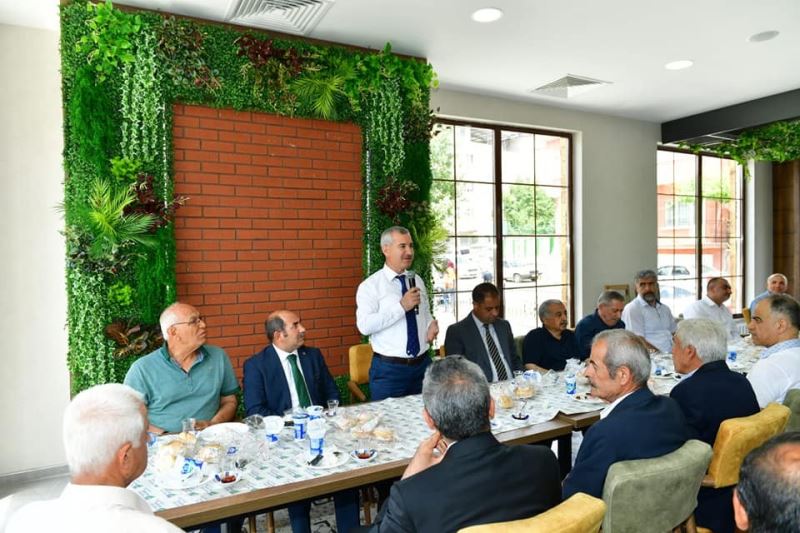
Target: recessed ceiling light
763	36
679	65
487	14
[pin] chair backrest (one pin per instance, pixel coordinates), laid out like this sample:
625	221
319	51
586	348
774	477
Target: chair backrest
739	436
655	495
792	401
580	513
518	345
746	314
360	360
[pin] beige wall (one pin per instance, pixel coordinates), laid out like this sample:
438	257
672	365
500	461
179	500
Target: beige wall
33	340
614	184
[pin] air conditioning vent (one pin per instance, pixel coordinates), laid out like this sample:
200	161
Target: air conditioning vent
287	16
569	86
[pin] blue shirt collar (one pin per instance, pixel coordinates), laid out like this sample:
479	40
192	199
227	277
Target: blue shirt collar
781	346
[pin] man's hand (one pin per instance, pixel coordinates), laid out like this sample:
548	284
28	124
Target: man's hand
410	299
433	331
424	457
200	425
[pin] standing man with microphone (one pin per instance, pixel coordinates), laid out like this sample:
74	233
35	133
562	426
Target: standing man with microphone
393	310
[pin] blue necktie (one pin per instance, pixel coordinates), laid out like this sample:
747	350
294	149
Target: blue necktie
412	344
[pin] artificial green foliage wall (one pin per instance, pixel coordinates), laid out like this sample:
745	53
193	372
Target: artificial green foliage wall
121	72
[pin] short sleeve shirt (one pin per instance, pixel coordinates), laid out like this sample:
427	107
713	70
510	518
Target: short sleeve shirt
172	394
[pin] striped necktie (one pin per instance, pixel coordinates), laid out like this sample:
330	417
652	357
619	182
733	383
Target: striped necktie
494	353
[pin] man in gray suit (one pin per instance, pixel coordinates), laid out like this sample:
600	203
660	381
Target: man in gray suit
484	338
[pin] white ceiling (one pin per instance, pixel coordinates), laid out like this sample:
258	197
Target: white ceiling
626	42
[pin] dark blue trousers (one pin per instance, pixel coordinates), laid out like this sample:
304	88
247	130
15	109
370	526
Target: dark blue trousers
345	505
390	380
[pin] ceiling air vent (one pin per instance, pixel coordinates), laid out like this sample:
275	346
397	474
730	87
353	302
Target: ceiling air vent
569	86
288	16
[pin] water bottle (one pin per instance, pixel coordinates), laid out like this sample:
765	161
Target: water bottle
571	381
732	356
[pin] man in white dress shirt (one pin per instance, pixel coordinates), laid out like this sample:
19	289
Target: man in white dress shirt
718	291
646	316
105	440
775	325
393	310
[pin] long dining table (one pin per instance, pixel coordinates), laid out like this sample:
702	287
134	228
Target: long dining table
282	475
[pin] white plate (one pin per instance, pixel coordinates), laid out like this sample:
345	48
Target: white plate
358	459
584	397
218	431
338	460
177	484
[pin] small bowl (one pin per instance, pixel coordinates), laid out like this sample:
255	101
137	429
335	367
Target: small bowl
364	456
228	477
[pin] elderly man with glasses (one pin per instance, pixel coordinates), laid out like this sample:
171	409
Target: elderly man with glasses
185	378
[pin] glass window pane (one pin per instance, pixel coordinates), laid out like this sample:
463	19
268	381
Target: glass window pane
712	178
474	261
552	210
665	172
678	294
720	218
676	259
443	199
442	152
552	165
519	307
737	289
474	154
518	209
517	157
731	179
519	261
475	208
552	260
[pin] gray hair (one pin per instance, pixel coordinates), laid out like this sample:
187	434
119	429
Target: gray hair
606	297
778	274
786	306
456	396
99	421
644	274
624	348
545	305
708	338
274	324
386	236
168	317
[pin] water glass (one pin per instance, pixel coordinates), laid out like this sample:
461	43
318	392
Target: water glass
188	425
300	420
316	436
314	411
332	406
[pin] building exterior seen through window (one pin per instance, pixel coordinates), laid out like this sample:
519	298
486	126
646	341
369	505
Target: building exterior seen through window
503	196
700	227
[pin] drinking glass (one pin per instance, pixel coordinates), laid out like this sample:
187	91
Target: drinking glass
332	406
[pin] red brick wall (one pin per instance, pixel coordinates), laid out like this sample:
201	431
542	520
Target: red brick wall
273	221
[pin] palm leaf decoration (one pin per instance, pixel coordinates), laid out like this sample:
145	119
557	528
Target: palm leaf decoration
323	92
104	219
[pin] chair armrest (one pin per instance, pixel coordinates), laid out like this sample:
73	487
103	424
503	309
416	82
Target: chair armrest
355	391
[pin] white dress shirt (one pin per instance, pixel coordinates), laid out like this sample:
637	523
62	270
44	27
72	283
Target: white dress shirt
287	371
776	373
707	308
380	315
90	509
493	333
655	324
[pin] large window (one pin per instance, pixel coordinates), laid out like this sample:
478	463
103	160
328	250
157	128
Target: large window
503	196
700	227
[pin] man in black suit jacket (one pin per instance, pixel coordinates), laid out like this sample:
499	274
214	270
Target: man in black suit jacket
636	425
287	375
469	336
709	394
461	476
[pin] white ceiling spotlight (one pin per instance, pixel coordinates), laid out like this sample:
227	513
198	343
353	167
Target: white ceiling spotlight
763	36
679	65
487	14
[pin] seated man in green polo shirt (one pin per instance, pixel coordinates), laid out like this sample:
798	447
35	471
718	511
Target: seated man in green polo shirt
185	378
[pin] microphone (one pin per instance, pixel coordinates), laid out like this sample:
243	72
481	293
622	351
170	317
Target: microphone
411	278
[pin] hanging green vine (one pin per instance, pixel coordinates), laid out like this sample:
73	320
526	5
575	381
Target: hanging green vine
121	72
777	142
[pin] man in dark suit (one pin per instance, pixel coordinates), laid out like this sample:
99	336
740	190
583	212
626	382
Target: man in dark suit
636	425
461	476
708	394
484	338
287	375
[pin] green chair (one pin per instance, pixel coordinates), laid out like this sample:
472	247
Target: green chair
656	495
518	344
792	401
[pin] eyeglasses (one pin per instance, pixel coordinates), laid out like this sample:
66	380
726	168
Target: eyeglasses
193	322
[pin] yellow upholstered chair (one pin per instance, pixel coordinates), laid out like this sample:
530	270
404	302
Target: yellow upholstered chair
746	314
360	357
739	436
580	513
792	401
656	495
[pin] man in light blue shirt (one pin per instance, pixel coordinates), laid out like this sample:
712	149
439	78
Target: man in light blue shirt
777	283
646	316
